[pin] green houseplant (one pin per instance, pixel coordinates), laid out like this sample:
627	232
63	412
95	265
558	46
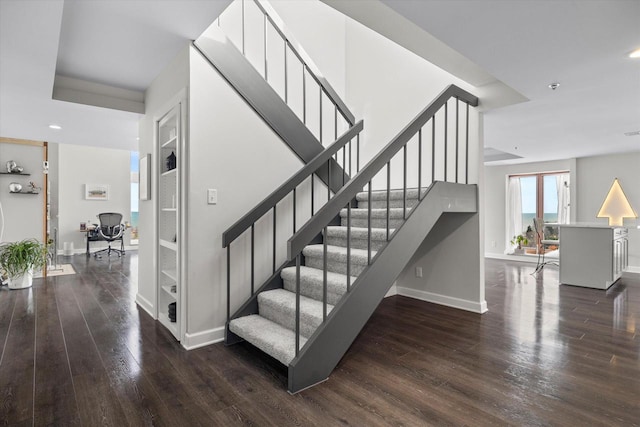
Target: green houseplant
19	259
519	240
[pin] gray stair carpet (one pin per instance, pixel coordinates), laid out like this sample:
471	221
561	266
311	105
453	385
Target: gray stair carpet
379	198
337	236
270	337
359	217
311	283
336	258
273	329
279	305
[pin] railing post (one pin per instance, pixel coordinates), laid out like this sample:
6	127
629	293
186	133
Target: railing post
274	238
252	258
297	304
457	131
466	156
228	282
369	223
446	141
419	163
348	246
433	149
388	195
294	211
404	182
324	276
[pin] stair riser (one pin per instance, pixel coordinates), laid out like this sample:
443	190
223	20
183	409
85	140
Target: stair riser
356	243
287	318
312	290
382	204
335	266
375	222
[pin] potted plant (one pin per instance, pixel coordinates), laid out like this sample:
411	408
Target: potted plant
519	240
19	259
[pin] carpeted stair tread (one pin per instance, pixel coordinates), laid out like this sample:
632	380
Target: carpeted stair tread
358	232
279	305
379	213
337	254
378	195
270	337
311	283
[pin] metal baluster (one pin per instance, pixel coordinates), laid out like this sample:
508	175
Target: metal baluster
297	304
294	211
328	180
335	128
348	246
433	149
320	113
324	275
369	223
388	196
304	94
312	198
404	182
344	164
358	153
457	131
274	238
350	158
252	257
419	163
446	141
466	156
229	282
265	48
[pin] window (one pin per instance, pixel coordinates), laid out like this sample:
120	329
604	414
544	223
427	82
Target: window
538	195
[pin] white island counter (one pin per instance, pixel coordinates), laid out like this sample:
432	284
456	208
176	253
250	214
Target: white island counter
592	255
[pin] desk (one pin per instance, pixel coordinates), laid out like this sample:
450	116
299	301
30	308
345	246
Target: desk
92	235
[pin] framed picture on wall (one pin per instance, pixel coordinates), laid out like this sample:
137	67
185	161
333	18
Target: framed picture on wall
144	177
96	192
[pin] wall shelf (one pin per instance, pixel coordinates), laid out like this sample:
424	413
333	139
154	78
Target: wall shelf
16	174
23	192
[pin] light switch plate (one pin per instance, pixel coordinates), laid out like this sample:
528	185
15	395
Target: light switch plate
418	271
212	196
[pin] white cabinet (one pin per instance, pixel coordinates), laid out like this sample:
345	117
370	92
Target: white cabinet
592	256
169	210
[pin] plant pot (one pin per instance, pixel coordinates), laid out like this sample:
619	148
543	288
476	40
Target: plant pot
21	282
518	251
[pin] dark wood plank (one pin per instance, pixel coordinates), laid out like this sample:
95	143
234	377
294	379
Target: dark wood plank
54	396
7	304
544	354
17	368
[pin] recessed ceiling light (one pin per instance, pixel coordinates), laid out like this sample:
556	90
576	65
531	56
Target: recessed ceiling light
635	54
138	138
56	127
554	85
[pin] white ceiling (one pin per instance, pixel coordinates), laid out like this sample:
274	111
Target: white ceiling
526	44
120	43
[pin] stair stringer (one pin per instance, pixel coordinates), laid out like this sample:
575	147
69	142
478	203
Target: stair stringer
332	339
220	52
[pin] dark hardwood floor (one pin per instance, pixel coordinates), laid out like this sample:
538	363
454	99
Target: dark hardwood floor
76	350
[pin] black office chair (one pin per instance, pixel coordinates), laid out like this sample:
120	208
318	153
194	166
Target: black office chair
111	229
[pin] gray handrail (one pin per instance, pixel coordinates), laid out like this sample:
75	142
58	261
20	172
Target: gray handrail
305	59
270	201
314	226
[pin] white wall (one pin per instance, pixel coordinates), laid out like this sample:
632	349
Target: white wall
23	213
496	193
79	165
595	176
388	86
158	97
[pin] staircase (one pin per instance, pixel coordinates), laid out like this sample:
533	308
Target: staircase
273	328
343	251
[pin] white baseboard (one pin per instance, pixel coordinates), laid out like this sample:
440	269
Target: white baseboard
519	258
634	270
200	339
145	305
392	291
462	304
